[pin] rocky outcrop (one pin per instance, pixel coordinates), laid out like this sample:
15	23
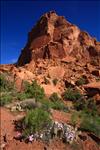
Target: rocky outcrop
53	37
50	89
58	49
93	90
56	72
95	85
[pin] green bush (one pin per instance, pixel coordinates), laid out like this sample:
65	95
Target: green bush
21	96
46	104
31	91
71	94
54	97
5	84
74	118
6	98
7	89
87	105
56	102
80	81
91	106
58	105
36	120
90	123
80	104
34	91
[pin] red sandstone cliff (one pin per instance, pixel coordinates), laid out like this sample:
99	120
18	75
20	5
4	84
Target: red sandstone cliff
54	37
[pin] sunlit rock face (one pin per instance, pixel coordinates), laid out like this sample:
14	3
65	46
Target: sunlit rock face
58	49
54	37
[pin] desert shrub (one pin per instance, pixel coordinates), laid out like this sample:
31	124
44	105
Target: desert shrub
55	81
91	106
31	91
34	91
21	96
7	89
56	102
54	97
46	104
74	118
2	82
5	98
81	81
71	94
5	84
90	123
58	105
87	105
80	104
36	120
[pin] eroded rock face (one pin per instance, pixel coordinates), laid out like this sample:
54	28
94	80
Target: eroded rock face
56	72
59	49
50	89
54	37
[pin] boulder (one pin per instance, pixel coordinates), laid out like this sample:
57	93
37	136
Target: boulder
50	89
56	72
68	59
30	103
92	88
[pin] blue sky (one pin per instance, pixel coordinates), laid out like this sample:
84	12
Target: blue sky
18	17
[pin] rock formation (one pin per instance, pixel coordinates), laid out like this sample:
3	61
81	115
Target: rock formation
53	37
58	49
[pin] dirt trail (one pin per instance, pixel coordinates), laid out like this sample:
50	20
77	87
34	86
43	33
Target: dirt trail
6	124
7	127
